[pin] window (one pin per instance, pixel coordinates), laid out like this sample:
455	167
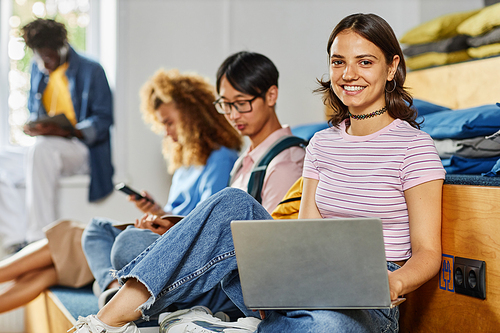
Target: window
75	14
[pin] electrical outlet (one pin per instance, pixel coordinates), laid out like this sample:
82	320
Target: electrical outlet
469	277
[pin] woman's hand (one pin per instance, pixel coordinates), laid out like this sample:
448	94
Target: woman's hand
153	223
147	206
395	286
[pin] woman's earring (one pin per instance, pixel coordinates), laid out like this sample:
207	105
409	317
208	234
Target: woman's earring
394	88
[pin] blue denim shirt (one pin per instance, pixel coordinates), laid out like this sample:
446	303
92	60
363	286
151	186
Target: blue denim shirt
192	185
93	104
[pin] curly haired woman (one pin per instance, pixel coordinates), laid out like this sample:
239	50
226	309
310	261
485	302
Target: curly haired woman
200	147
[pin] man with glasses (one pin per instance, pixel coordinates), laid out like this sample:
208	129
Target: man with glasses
247	84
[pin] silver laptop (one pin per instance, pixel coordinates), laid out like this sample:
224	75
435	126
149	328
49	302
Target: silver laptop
312	264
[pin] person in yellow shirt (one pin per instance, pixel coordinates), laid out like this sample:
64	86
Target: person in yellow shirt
62	82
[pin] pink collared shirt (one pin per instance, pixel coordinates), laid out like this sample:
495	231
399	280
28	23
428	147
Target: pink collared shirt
281	173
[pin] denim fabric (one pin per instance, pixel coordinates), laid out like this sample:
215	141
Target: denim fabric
129	244
203	258
196	254
97	243
132	241
108	248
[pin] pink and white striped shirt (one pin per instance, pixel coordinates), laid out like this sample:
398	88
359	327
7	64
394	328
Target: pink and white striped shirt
366	176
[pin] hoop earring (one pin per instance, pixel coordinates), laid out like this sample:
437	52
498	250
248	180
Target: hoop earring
392	88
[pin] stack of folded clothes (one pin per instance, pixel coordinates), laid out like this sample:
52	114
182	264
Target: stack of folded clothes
483	31
453	38
467	140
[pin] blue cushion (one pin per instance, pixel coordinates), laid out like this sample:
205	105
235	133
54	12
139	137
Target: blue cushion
424	107
83	302
463	124
458	179
306	132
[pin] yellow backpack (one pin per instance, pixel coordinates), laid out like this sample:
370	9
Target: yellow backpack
288	208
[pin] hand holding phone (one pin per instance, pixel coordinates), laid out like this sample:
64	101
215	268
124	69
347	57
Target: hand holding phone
127	190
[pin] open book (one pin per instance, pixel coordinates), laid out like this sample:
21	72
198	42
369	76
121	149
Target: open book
59	119
172	218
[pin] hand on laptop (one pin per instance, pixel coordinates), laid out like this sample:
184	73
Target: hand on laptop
394	286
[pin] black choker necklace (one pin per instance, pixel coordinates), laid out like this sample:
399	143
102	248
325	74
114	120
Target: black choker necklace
369	115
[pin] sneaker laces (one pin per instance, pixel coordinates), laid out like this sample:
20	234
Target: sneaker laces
84	321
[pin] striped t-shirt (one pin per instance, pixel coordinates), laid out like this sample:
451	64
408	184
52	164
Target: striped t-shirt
366	176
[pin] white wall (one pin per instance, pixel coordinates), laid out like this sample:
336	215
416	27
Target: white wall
197	35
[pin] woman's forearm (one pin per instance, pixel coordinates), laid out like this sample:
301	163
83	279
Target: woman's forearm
420	268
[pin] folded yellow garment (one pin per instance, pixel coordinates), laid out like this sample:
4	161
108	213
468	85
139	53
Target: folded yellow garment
439	28
482	22
436	59
484	51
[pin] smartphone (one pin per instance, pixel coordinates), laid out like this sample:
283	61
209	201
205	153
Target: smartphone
127	190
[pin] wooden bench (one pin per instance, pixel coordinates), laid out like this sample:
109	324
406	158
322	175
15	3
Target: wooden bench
471	229
46	314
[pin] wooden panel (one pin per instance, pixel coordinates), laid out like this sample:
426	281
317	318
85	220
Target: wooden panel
458	86
471	229
60	320
46	314
35	315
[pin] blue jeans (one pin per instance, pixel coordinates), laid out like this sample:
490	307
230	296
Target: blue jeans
197	255
108	249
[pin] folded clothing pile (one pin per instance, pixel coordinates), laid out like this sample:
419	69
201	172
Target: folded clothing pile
454	38
467	140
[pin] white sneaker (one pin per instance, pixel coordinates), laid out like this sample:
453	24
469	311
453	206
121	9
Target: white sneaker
200	319
91	324
96	289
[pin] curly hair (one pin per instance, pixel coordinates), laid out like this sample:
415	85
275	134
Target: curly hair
43	33
201	128
375	29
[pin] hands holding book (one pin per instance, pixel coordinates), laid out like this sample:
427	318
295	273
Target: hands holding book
57	125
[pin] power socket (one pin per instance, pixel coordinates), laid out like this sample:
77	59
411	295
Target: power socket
469	277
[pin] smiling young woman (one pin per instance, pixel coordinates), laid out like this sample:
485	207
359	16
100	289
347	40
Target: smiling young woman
367	73
359	72
355	168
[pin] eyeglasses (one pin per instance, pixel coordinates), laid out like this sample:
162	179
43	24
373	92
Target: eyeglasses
242	106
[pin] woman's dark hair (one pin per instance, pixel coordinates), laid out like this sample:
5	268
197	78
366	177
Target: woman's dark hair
43	33
379	32
248	72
